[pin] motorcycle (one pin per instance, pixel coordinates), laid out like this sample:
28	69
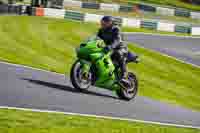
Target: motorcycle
94	66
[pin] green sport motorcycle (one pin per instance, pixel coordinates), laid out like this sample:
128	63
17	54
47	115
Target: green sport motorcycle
95	67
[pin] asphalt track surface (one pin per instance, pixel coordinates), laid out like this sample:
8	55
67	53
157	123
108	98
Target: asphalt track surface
29	88
183	48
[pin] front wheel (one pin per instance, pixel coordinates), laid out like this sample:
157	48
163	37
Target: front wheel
129	92
79	79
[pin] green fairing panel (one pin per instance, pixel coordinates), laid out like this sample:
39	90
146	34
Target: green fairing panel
96	56
105	72
92	51
88	48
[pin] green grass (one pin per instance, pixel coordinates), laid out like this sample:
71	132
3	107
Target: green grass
13	121
139	15
173	3
49	44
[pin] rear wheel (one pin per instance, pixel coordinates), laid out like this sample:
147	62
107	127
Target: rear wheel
130	92
81	81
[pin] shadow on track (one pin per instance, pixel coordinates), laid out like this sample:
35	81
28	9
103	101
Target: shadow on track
66	88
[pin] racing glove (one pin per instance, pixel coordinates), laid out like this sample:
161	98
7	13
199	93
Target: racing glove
107	48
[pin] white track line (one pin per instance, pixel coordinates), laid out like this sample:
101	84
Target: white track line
157	34
166	55
29	67
98	116
172	57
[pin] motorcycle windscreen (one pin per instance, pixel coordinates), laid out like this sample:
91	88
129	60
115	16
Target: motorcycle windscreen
86	50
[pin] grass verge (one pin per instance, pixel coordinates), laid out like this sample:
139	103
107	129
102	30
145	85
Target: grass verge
172	3
49	44
15	121
134	15
140	15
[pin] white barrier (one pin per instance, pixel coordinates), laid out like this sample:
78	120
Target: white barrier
109	7
92	17
195	15
56	13
195	30
166	27
127	22
131	22
72	3
165	11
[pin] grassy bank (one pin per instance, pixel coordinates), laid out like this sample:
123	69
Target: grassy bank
13	121
173	3
140	15
49	44
166	19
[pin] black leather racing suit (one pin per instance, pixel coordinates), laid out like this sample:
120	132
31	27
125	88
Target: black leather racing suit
112	39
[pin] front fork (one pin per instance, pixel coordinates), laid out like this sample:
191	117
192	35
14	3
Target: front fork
85	68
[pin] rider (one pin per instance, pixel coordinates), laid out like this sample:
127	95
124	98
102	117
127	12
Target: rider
110	33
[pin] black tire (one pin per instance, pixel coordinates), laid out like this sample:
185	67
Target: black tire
123	94
73	77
